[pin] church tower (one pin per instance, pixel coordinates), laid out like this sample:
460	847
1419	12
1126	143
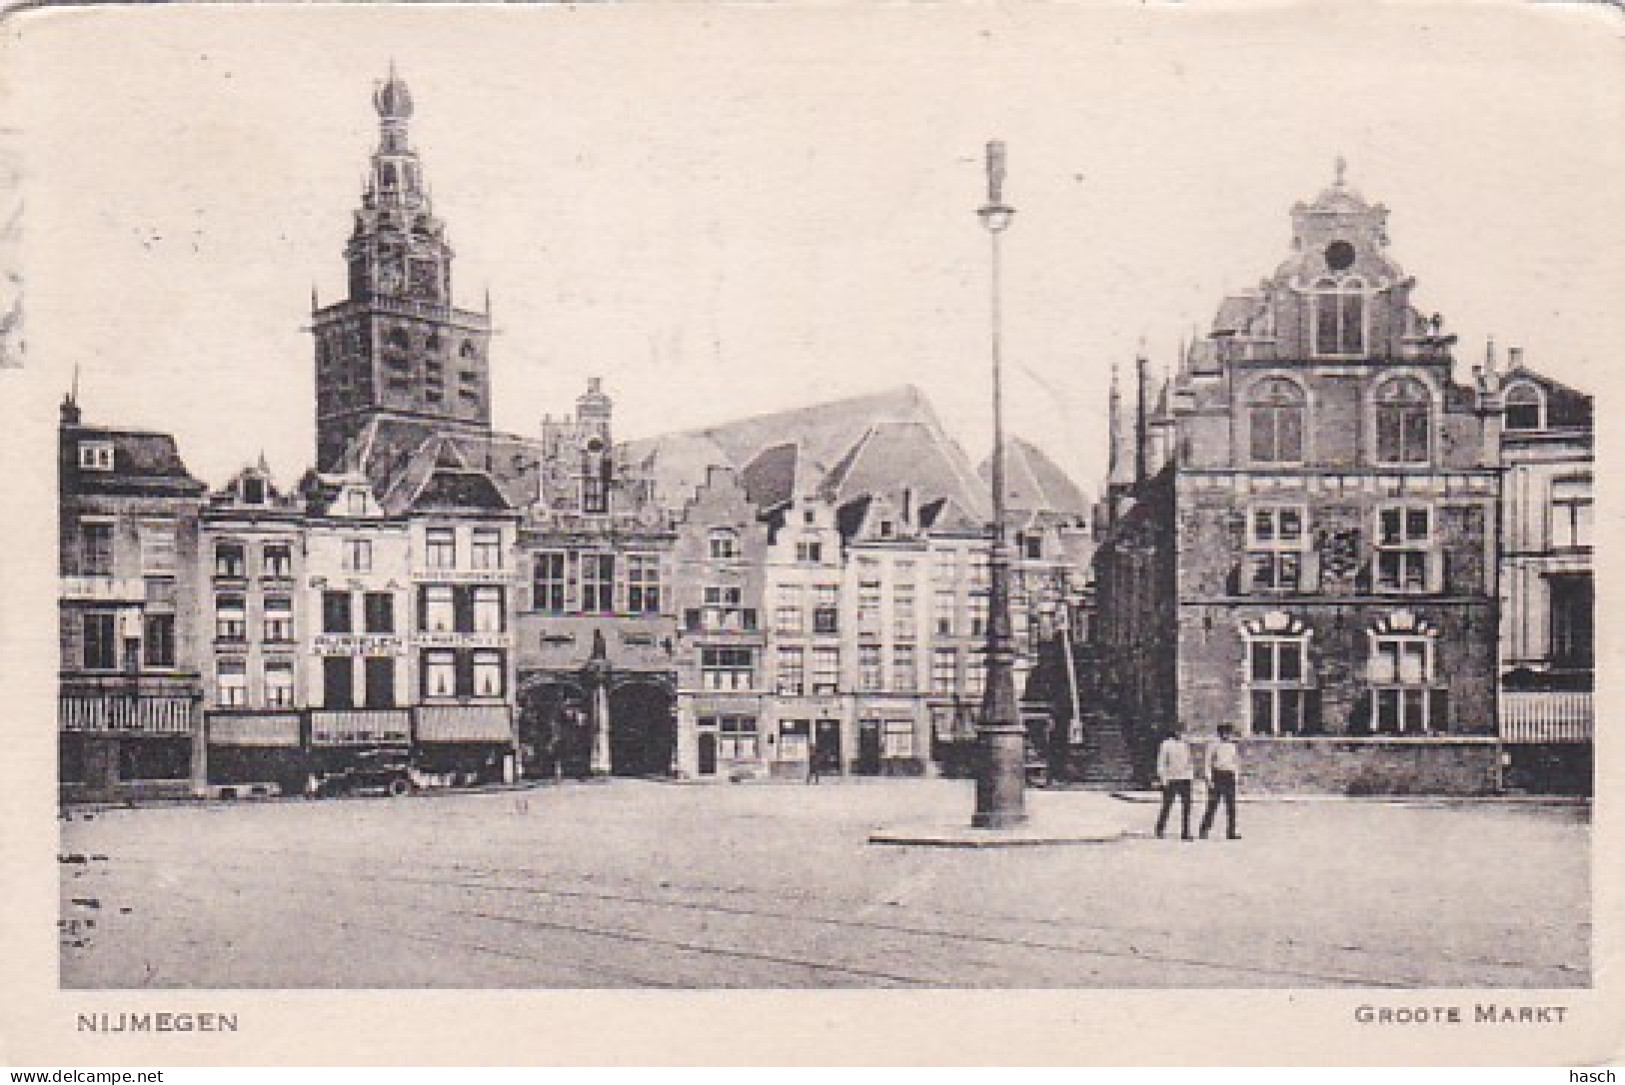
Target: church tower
397	346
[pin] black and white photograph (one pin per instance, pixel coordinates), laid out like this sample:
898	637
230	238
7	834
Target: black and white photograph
528	506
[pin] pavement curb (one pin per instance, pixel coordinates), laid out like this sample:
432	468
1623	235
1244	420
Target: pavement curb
1152	797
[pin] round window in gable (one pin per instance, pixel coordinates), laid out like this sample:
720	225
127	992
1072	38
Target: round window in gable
1339	256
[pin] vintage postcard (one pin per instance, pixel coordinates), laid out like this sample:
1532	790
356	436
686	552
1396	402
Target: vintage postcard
698	534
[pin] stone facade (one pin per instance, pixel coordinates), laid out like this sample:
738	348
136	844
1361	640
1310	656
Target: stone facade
1306	547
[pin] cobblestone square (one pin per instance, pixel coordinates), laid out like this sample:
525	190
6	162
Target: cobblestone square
632	884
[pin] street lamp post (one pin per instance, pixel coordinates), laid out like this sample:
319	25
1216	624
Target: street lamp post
1001	771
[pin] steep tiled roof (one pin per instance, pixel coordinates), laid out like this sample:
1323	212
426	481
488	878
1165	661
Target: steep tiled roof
143	462
849	517
677	462
398	455
894	457
1034	483
450	490
1237	313
770	478
946	516
825	432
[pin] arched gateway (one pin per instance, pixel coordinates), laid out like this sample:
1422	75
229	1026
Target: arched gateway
559	719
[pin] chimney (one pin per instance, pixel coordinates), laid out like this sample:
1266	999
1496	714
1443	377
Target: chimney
1514	358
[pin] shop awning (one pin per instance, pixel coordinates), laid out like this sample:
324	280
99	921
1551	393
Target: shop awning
253	729
464	723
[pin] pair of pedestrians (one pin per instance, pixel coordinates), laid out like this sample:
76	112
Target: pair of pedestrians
1176	773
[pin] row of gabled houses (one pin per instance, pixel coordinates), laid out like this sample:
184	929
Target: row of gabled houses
504	608
1313	530
799	588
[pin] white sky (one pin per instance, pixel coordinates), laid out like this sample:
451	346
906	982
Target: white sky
729	210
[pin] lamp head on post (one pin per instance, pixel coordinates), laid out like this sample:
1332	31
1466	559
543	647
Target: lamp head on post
995	214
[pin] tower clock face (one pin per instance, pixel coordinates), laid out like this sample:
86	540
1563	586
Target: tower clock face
1339	256
423	284
389	275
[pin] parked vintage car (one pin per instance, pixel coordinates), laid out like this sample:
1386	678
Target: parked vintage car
390	772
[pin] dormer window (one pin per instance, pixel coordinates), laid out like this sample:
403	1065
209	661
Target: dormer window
253	491
1339	317
724	543
356	502
1524	408
95	456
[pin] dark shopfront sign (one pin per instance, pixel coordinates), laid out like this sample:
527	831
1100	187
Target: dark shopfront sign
360	727
351	644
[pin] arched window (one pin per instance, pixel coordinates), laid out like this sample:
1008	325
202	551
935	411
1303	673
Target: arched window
469	350
1339	317
389	176
1275	415
397	338
1524	407
1404	421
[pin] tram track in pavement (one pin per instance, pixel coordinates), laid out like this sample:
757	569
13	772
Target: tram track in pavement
459	880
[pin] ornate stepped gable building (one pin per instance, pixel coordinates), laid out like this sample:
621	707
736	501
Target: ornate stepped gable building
719	567
129	715
1305	545
597	631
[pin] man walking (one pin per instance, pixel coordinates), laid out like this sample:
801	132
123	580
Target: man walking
1222	763
1174	774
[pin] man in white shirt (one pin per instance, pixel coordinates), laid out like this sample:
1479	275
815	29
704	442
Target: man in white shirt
1174	774
1220	767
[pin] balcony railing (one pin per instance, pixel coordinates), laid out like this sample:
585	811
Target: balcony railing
715	620
1546	717
118	713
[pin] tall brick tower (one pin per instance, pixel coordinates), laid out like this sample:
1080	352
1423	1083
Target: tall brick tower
397	346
